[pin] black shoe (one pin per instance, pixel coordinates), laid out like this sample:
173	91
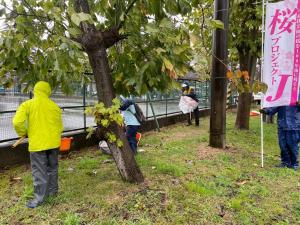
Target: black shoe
33	204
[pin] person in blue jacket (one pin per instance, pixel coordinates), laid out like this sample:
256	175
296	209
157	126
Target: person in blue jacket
288	120
132	124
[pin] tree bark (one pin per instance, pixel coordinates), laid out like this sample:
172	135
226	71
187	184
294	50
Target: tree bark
247	63
95	44
218	79
123	157
243	112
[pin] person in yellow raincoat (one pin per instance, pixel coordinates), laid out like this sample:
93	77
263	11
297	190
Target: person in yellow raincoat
40	119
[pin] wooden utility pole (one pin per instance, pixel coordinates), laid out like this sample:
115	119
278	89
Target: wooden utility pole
218	78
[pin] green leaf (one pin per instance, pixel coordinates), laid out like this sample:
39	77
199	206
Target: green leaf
90	132
105	123
168	64
165	23
56	65
151	28
159	50
88	111
120	143
218	24
64	46
74	32
178	50
77	18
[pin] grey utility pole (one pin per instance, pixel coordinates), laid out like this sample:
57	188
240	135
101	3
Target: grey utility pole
217	136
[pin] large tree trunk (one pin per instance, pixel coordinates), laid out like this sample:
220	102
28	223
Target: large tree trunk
95	44
247	63
123	157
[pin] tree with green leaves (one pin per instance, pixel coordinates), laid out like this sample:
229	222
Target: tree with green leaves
245	23
131	46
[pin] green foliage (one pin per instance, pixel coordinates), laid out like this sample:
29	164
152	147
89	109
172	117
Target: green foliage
245	38
77	18
104	117
37	47
217	24
152	58
259	87
240	82
201	25
40	42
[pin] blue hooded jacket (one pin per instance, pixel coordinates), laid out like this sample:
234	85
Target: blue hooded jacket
288	117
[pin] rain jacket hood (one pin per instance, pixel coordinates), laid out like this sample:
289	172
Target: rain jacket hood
40	119
42	88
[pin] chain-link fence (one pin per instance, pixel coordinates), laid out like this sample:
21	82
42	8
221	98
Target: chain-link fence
73	106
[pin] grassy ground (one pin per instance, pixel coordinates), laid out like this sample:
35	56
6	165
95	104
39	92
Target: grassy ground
186	183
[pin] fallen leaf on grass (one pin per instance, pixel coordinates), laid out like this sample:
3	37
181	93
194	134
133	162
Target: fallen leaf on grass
92	173
240	183
189	162
15	178
70	169
107	161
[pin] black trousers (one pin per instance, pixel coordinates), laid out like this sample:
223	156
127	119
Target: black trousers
196	115
44	166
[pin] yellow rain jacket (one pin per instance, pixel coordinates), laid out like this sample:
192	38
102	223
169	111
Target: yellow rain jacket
40	119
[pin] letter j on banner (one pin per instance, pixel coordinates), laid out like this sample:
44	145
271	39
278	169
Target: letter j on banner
282	53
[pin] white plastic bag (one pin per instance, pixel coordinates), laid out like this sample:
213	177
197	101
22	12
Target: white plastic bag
187	104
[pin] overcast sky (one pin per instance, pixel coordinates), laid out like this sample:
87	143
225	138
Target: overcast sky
8	2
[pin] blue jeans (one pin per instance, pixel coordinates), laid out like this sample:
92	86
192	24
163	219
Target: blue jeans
288	142
131	137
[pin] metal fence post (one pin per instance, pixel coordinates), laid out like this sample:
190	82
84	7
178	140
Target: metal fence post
152	109
206	90
147	101
166	105
84	106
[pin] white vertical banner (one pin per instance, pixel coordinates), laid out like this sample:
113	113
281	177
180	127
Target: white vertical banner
282	53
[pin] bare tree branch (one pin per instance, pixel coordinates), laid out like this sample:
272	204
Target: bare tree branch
202	28
130	6
38	17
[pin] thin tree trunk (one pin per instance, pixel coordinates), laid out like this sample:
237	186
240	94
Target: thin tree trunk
243	111
247	63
